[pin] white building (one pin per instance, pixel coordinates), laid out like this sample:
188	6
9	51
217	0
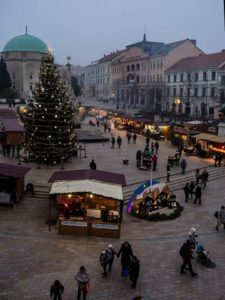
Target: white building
195	85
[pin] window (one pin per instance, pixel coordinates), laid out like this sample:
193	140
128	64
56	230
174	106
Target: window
174	78
181	92
168	92
204	76
203	92
143	66
181	77
14	87
223	80
168	78
160	77
212	92
157	64
153	78
137	78
31	87
150	78
31	76
138	67
153	66
196	76
161	64
132	67
213	75
196	92
14	76
157	78
189	76
174	92
128	68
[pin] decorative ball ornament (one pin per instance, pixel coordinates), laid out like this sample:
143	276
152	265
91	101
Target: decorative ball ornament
55	127
42	89
56	116
43	117
39	105
52	96
45	109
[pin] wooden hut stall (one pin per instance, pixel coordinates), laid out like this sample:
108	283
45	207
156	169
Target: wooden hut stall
12	183
88	201
209	144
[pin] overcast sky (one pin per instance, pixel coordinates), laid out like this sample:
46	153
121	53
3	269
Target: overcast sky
88	29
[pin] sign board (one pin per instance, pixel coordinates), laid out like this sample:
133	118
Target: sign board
73	223
180	130
212	129
105	226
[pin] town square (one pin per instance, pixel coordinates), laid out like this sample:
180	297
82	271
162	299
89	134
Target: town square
112	154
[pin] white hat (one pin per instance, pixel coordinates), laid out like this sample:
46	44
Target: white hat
193	230
110	246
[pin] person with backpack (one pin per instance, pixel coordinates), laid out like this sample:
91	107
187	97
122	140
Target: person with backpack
56	290
186	189
186	252
105	258
220	218
134	269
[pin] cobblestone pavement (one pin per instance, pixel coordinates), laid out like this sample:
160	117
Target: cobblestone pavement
31	258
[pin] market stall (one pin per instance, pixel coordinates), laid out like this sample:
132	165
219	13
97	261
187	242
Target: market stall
12	183
210	144
88	202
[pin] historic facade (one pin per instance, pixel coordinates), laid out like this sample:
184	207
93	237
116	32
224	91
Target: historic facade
98	77
138	75
195	86
23	55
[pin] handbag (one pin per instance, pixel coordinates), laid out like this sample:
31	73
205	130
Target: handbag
216	215
87	287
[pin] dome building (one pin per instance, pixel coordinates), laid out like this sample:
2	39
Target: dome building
23	55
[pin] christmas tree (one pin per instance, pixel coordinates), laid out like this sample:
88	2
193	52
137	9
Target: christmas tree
49	119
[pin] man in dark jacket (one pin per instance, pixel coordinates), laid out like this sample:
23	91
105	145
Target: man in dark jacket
183	165
198	194
186	191
134	271
56	290
186	255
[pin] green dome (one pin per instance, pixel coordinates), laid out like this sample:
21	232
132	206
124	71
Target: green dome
25	43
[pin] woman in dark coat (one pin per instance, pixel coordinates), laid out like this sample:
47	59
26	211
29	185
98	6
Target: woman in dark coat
127	253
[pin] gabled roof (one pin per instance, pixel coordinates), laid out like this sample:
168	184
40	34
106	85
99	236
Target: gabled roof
158	48
200	61
96	175
110	56
13	170
12	125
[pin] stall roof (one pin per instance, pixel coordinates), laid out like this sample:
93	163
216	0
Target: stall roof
13	170
96	175
12	125
109	190
210	138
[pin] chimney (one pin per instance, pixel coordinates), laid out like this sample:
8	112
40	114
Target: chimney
223	50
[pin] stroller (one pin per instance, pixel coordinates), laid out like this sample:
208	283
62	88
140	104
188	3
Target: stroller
203	256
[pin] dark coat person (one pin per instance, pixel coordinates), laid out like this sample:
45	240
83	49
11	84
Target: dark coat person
134	271
56	290
93	165
119	141
186	255
198	194
183	165
126	255
186	191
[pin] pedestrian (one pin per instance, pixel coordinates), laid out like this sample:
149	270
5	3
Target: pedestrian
183	165
105	127
168	172
204	177
156	147
147	141
134	269
138	297
8	149
186	253
113	142
186	191
126	254
56	290
128	137
197	176
109	127
134	138
152	148
180	148
93	165
154	161
83	281
105	258
221	218
198	194
119	141
191	189
112	252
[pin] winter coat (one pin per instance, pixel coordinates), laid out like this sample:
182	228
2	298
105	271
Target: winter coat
82	278
198	191
134	269
127	253
221	216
